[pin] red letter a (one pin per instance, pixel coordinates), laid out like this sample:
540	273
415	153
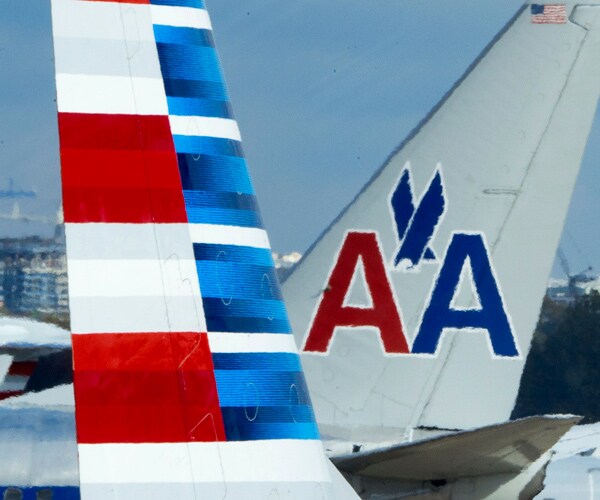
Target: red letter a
332	313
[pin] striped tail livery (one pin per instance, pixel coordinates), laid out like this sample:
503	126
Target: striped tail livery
187	380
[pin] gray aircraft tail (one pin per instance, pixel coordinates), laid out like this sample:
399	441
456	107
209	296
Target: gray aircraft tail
416	307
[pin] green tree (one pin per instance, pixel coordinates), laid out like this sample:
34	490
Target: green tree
562	372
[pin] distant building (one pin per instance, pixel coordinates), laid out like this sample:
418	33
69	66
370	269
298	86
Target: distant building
33	276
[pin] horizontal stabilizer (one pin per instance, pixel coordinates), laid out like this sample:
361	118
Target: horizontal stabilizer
497	449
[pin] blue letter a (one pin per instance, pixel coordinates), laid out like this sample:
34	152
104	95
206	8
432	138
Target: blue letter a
491	316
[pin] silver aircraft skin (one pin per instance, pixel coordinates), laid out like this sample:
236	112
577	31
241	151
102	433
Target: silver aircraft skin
415	308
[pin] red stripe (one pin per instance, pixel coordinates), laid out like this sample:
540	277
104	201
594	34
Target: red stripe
114	132
24	368
123	205
9	394
119	168
145	388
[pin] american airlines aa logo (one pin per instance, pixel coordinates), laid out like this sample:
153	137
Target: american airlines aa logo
415	226
466	258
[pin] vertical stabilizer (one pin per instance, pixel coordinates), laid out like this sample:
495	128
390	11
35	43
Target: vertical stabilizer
187	380
417	305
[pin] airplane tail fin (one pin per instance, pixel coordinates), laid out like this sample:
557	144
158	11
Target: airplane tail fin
187	380
416	307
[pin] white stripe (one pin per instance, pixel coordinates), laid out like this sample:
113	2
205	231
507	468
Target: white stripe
204	126
110	95
145	280
89	56
102	20
251	342
136	314
185	17
229	235
213	490
133	278
242	461
128	241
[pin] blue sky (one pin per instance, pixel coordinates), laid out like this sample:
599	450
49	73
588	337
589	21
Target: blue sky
323	92
28	130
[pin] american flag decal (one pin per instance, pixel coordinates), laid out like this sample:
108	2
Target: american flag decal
548	14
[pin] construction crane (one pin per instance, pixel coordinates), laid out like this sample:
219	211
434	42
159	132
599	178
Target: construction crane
16	215
11	192
574	279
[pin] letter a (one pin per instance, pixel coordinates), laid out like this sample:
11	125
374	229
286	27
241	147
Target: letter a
383	313
491	316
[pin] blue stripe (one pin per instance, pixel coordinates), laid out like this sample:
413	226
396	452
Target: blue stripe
180	3
248	388
250	431
201	198
231	280
269	422
207	145
241	308
189	62
262	395
233	253
214	173
58	492
196	88
189	106
231	209
183	36
279	361
264	404
219	322
268	414
242	218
